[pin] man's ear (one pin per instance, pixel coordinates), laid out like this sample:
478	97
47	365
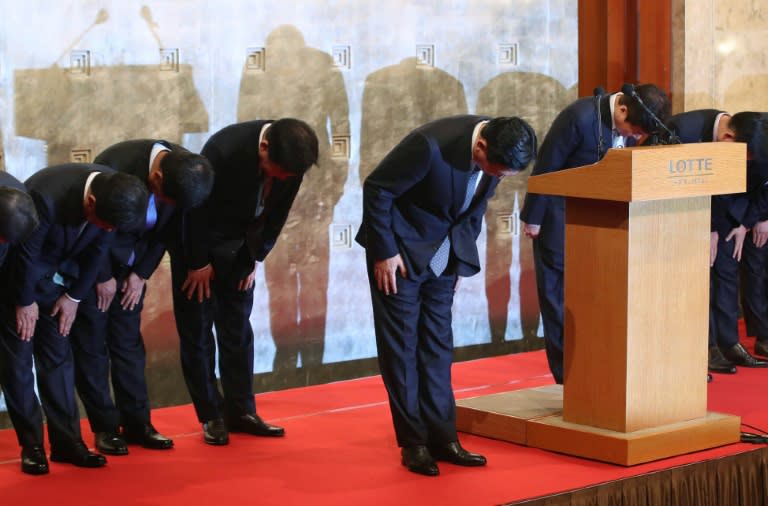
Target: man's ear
90	201
156	178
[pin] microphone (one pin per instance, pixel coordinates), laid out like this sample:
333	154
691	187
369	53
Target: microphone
629	89
598	94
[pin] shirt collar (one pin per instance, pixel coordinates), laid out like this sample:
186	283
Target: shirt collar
475	136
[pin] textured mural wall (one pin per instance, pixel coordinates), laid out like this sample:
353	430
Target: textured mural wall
78	76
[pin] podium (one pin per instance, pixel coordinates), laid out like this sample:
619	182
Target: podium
637	239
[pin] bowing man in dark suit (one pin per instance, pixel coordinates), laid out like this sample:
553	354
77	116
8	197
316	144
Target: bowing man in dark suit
752	128
730	221
259	167
79	206
423	207
18	216
580	135
106	336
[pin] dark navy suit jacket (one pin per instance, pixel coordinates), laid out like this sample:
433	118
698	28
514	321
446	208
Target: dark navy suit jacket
228	215
64	242
10	182
572	141
148	247
413	198
728	211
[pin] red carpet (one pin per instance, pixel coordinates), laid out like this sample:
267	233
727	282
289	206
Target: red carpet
340	450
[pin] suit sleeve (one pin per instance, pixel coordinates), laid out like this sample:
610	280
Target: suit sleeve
561	140
156	246
401	169
90	261
195	221
28	272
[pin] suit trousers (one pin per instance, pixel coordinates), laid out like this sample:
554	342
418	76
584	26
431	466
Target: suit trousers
754	288
230	310
110	345
548	263
415	353
724	296
18	382
55	373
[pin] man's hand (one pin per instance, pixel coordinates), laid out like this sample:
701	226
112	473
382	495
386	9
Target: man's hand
713	238
531	231
26	318
66	308
738	234
760	233
133	287
385	273
105	292
199	282
247	282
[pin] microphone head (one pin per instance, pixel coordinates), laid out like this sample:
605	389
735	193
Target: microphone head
628	89
599	91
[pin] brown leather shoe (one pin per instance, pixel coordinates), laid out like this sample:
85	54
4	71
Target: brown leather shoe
741	357
718	363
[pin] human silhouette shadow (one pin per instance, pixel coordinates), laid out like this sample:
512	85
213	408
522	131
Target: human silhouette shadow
301	82
536	98
399	98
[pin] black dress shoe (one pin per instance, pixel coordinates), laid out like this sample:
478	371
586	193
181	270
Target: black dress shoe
110	443
455	454
718	363
418	460
741	357
761	347
147	436
215	432
78	454
33	460
253	424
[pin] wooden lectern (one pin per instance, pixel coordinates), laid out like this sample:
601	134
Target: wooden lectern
636	311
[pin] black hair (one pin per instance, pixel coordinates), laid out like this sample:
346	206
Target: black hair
293	145
121	200
751	128
655	99
187	178
511	142
18	215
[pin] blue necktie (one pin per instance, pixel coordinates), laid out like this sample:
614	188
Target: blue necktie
440	261
151	213
149	223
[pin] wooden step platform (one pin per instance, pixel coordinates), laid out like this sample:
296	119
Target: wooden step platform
533	417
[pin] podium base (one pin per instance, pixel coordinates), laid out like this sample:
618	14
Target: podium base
505	415
533	417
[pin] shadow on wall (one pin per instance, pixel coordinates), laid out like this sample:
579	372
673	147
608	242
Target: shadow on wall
78	112
399	98
747	93
301	82
509	274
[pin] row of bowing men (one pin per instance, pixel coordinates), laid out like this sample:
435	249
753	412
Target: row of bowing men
80	240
